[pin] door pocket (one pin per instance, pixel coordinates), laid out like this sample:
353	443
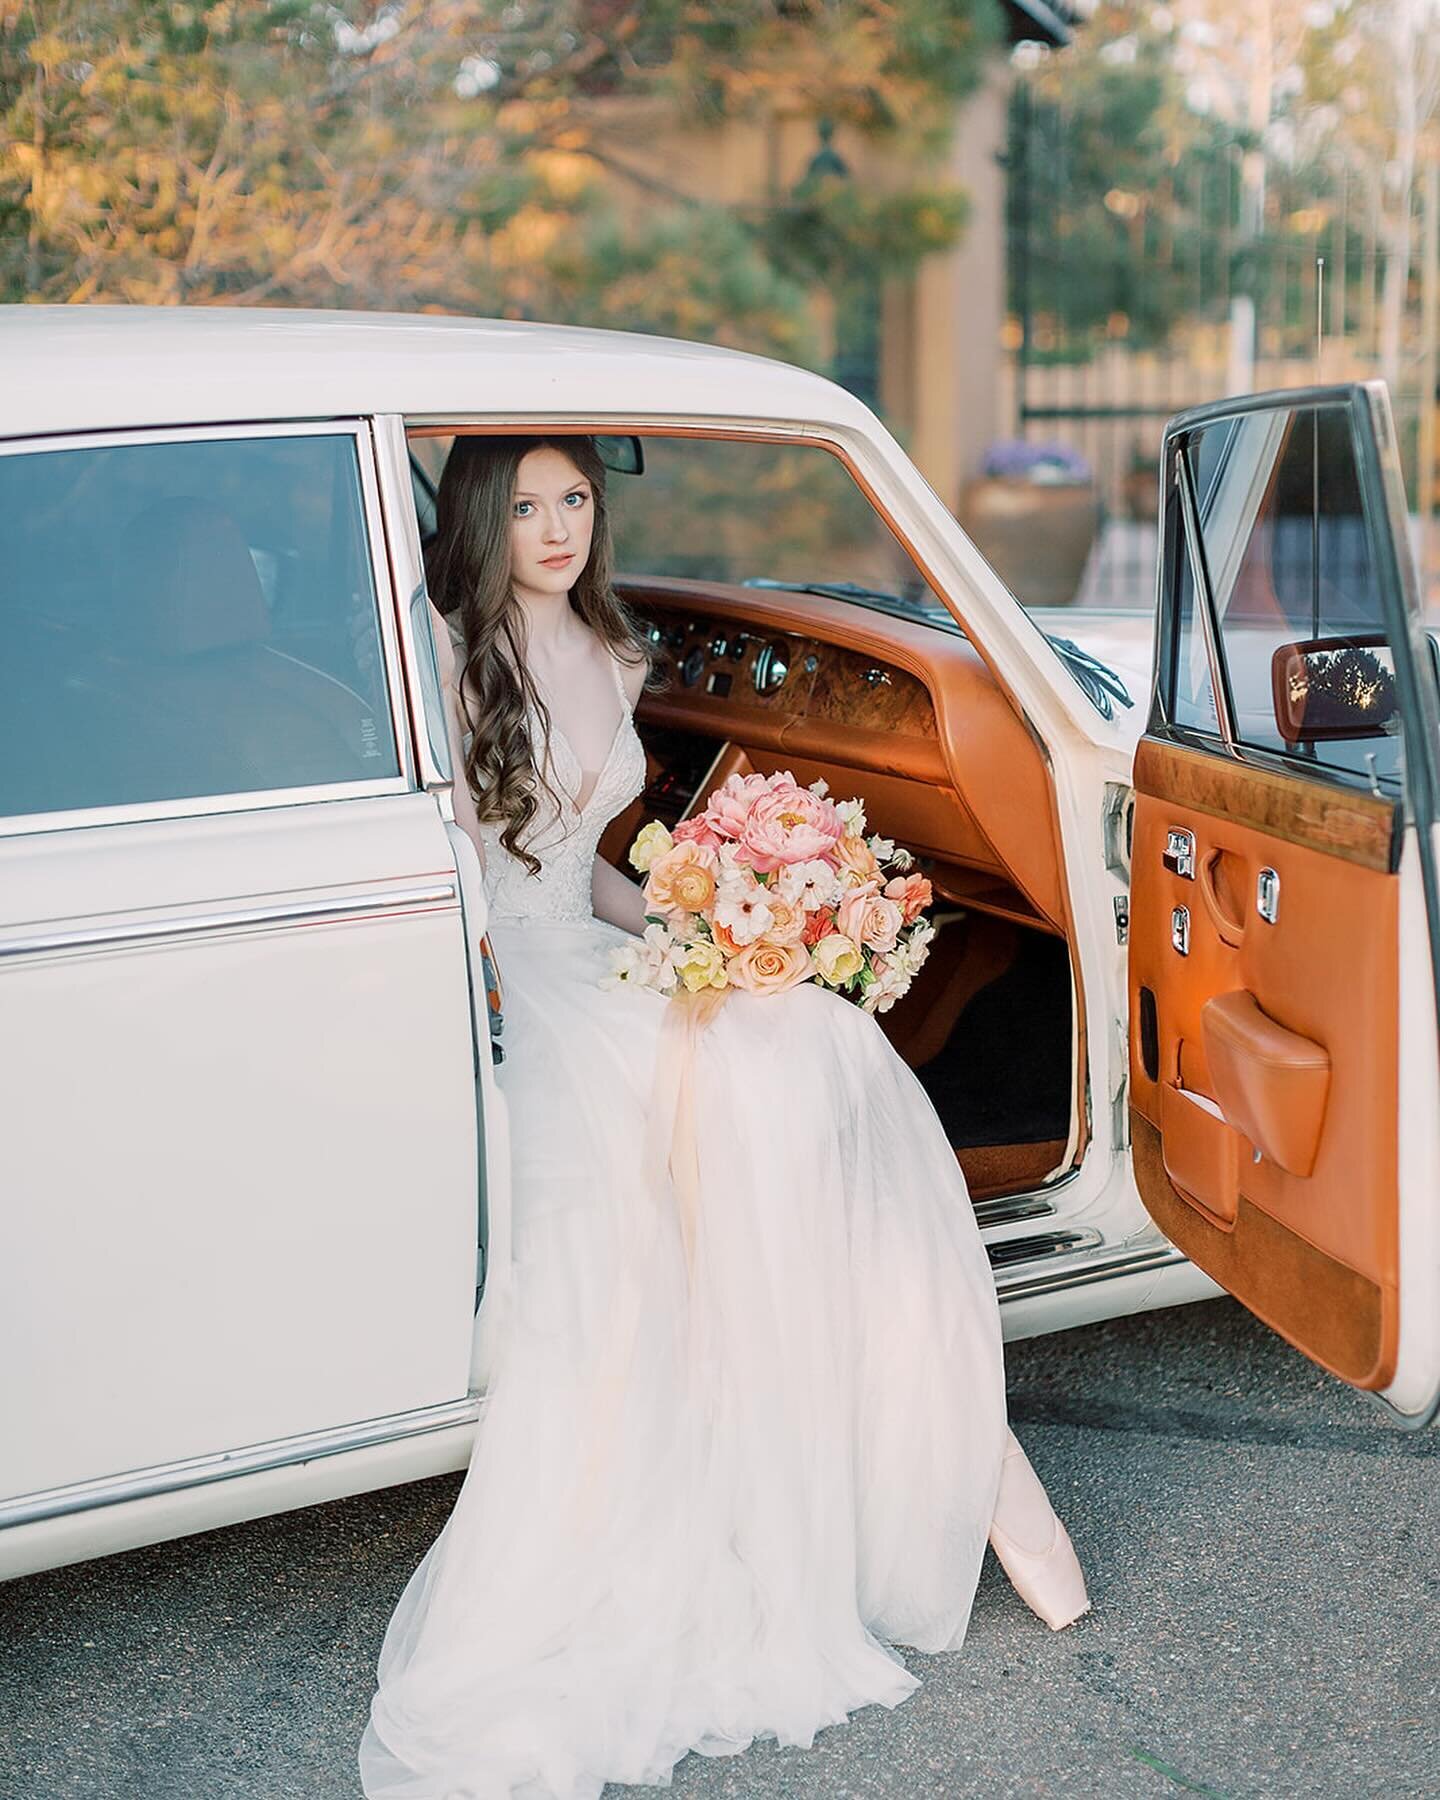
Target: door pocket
1271	1083
1201	1151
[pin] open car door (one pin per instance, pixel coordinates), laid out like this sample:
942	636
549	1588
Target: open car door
1285	1107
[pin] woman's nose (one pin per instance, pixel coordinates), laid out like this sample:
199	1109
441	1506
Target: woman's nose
556	530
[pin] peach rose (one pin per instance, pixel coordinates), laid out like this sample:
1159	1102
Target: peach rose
854	854
867	917
682	880
911	893
786	825
764	968
788	922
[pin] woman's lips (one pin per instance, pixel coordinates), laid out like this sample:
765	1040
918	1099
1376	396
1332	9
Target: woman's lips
557	562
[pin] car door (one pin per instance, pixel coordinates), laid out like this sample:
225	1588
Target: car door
1282	969
239	1150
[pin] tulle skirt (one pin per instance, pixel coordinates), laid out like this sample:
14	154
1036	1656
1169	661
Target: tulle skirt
719	1474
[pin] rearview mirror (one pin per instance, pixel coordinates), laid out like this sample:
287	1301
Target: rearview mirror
1336	687
625	455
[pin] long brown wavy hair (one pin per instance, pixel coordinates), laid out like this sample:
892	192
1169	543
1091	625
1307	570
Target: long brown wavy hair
468	571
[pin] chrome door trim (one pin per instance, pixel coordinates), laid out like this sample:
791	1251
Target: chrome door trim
1204	598
1023	1285
197	1471
440	894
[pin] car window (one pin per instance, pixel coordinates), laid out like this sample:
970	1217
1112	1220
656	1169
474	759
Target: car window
186	619
1289	552
741	511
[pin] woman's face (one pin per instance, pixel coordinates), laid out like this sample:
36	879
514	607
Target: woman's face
552	521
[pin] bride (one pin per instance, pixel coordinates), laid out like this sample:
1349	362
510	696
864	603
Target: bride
714	1483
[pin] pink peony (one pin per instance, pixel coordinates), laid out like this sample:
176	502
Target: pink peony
729	806
786	825
911	893
867	917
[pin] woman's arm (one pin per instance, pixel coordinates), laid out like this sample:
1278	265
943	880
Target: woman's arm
465	815
613	895
616	898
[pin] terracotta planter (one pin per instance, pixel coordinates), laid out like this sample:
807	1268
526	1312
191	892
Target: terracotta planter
1036	534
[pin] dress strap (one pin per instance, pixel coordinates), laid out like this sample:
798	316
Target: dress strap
619	679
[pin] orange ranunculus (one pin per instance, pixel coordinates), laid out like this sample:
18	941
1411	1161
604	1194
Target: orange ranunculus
763	968
818	924
682	880
854	854
723	938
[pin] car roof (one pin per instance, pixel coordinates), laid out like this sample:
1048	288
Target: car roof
76	368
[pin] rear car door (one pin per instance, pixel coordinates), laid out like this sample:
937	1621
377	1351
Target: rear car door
1284	1099
239	1148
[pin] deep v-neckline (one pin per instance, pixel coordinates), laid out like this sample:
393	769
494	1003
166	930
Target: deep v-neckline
557	731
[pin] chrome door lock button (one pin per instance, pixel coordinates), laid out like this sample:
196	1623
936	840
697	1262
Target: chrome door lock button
1180	853
1180	929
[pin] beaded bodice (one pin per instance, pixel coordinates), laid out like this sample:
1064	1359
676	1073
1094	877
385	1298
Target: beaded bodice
564	838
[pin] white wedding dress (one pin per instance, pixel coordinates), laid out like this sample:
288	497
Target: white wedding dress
704	1501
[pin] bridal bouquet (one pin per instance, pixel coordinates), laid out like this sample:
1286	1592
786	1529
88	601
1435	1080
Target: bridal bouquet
774	884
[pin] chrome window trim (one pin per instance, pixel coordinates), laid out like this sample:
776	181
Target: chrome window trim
1204	599
197	1471
359	431
407	570
201	806
436	896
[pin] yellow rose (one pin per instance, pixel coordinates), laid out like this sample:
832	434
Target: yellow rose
836	959
702	965
654	840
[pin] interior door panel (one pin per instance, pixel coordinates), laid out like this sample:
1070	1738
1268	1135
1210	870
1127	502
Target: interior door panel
1250	1026
1292	734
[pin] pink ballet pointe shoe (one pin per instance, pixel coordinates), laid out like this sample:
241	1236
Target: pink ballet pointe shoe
1033	1546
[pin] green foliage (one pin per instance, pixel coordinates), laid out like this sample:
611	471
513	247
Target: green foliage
463	155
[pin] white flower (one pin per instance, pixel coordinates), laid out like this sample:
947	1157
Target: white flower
903	860
808	885
647	962
741	908
889	985
882	849
820	788
852	816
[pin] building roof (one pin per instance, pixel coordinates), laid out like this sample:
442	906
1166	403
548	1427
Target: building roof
76	368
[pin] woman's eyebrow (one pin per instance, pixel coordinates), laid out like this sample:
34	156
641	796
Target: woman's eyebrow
574	487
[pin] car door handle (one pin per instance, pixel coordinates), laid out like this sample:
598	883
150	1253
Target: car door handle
1222	888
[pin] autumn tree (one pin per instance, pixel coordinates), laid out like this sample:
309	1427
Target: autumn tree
462	154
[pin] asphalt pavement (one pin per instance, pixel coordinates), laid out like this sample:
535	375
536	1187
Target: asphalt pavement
1261	1547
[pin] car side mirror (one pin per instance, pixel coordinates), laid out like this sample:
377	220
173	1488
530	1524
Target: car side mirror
1336	687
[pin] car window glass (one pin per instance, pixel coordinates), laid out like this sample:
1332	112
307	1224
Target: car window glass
186	619
1290	556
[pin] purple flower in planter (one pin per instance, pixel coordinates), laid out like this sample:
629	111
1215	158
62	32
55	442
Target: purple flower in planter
1017	459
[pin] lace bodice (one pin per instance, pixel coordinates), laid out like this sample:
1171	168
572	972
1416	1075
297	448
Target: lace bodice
565	839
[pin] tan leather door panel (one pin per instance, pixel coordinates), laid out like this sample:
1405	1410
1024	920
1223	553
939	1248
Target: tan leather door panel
1281	1037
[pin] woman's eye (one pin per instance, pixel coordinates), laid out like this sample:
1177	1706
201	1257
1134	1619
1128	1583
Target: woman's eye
521	508
579	499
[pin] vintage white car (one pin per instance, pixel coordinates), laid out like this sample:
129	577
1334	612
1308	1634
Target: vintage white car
1181	1011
